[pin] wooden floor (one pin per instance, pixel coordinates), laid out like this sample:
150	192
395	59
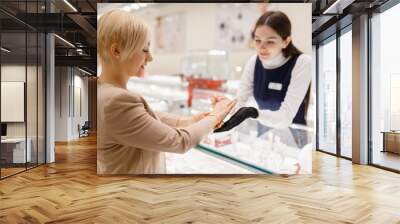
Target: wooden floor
69	191
387	159
10	171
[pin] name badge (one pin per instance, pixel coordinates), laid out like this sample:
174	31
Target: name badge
275	86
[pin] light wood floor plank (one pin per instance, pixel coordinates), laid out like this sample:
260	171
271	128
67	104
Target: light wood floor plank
70	191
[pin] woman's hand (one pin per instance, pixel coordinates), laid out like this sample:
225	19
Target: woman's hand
221	109
215	99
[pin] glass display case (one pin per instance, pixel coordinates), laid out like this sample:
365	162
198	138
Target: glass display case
283	151
196	161
211	64
260	149
248	148
173	90
165	91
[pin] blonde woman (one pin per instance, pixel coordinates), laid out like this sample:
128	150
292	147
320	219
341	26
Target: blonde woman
132	138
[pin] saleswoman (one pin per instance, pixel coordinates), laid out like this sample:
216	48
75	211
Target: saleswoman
278	76
131	137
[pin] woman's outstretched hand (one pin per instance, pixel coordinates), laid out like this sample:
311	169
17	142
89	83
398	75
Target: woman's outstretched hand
215	99
221	109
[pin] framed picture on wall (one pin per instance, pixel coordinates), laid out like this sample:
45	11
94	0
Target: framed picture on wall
12	101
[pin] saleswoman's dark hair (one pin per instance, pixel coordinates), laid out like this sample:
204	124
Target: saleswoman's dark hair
279	22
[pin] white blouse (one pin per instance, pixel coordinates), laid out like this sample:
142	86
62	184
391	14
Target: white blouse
299	84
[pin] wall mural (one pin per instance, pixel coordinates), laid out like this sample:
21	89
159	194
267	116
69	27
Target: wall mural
169	29
234	25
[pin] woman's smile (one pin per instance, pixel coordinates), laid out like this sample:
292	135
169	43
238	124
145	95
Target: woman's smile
264	55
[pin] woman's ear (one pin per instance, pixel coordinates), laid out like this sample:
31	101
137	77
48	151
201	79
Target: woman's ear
114	51
287	42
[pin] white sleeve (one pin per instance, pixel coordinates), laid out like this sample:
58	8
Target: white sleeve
246	83
297	90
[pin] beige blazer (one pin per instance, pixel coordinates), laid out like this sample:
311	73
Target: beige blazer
132	139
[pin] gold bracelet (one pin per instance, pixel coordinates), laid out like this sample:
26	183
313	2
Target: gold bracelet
211	114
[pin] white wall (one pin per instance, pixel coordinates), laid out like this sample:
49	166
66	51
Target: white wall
68	81
12	73
61	103
201	31
80	83
313	110
33	127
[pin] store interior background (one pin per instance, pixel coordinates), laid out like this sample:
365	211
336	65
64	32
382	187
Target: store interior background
195	39
335	60
61	56
385	85
199	29
45	97
22	96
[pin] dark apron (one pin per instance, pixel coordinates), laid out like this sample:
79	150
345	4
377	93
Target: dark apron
269	89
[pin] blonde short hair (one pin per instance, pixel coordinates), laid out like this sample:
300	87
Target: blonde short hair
122	28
